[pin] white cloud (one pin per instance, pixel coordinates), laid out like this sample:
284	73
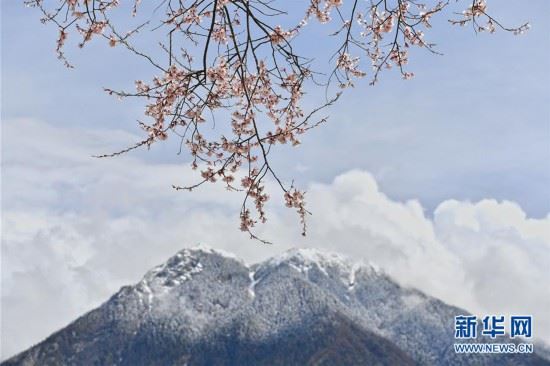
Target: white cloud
75	229
506	254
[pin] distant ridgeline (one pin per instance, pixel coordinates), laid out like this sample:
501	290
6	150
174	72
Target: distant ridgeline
205	307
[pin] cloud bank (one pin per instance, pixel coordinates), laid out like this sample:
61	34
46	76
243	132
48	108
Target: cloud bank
75	229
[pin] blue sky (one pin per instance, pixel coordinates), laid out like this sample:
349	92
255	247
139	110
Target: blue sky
474	122
428	178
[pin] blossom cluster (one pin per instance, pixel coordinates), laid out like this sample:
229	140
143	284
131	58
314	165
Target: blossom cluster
224	59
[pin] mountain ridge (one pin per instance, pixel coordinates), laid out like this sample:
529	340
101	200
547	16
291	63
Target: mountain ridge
204	306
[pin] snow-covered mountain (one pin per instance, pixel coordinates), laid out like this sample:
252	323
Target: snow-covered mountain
305	307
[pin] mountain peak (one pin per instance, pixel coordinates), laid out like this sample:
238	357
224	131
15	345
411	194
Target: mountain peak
311	255
180	268
202	306
305	258
206	249
176	270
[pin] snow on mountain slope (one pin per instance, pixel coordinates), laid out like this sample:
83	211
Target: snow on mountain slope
206	307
